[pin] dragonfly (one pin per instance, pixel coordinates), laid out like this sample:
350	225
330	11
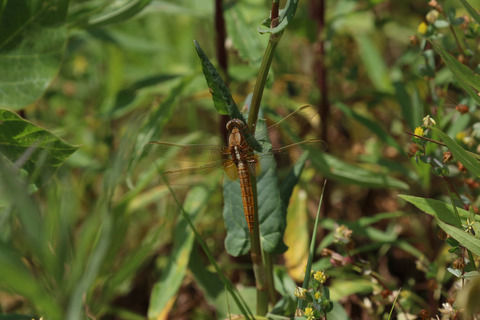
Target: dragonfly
243	157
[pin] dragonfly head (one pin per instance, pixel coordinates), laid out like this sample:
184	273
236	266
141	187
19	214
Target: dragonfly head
235	123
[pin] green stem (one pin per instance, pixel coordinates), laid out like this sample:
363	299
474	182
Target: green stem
261	278
263	283
261	80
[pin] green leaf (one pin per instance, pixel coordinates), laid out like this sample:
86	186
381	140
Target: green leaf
373	126
436	208
471	11
333	168
466	239
30	147
244	39
285	16
166	288
465	76
117	11
467	159
221	96
32	42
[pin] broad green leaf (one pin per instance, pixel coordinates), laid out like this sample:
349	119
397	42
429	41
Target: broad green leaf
244	39
373	126
471	11
32	42
469	80
30	147
439	209
117	11
466	239
165	290
466	158
285	16
335	169
221	96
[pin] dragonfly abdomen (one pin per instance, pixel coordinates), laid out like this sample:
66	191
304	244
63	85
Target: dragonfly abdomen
247	193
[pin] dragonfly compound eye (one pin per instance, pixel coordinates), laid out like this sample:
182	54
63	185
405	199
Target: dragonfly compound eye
235	123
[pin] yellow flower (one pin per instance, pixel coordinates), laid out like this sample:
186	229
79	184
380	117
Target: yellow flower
461	135
320	276
422	28
309	314
419	131
318	295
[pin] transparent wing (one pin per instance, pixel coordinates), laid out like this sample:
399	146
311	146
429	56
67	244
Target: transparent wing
208	174
296	124
194	153
188	164
287	156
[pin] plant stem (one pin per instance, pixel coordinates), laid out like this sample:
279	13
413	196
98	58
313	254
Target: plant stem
261	80
261	279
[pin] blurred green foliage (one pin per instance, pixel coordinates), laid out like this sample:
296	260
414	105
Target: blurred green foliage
96	80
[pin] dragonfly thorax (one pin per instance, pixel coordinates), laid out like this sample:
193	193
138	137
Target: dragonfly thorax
235	127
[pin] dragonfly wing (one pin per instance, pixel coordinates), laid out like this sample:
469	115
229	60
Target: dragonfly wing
295	125
193	153
188	164
287	156
208	174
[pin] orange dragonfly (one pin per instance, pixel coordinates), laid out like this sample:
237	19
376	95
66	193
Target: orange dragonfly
244	156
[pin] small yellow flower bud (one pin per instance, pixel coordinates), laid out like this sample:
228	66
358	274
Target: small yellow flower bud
320	276
422	28
460	135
